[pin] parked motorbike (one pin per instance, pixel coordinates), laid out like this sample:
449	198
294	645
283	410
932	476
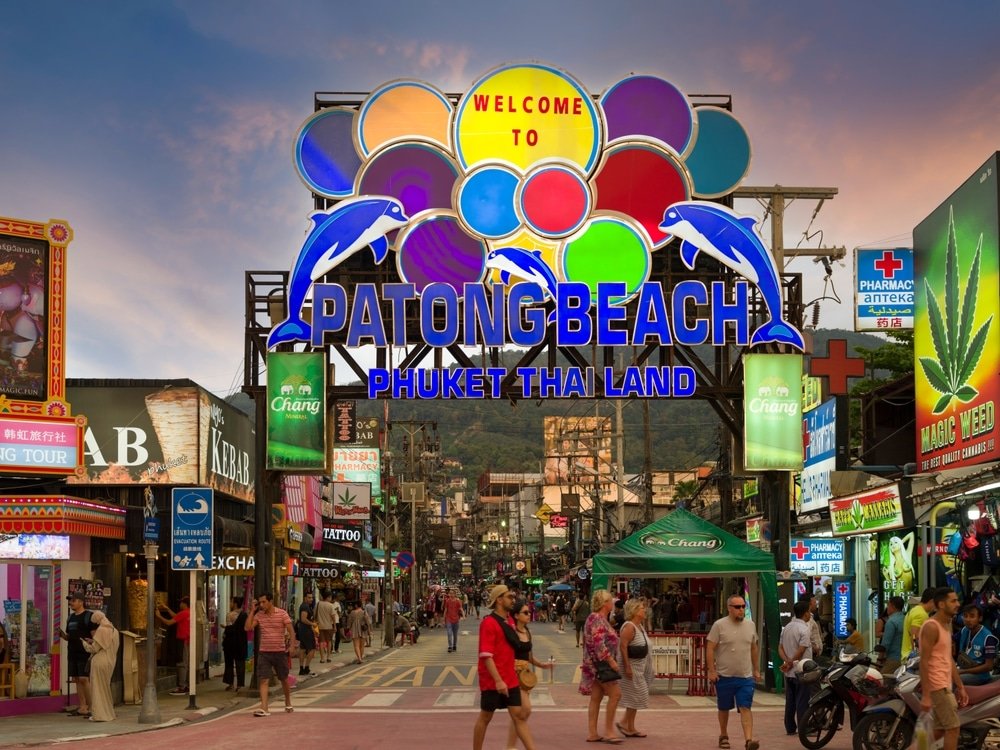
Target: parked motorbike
889	725
853	681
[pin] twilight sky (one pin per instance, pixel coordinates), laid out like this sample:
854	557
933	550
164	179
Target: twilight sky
163	131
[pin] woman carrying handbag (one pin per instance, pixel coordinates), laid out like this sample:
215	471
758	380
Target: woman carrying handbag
599	671
523	661
637	666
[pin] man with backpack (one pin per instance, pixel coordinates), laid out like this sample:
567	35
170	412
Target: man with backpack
78	627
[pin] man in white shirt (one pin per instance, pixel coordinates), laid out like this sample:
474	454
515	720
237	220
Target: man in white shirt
794	645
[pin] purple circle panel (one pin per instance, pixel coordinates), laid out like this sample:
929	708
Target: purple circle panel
649	106
418	175
438	249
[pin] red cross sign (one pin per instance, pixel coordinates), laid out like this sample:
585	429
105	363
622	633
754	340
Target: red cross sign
837	367
888	264
843	589
800	550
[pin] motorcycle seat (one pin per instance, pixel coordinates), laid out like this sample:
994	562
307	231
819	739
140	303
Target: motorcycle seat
979	693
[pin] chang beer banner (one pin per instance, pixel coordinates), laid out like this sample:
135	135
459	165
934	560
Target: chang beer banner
296	412
772	408
956	331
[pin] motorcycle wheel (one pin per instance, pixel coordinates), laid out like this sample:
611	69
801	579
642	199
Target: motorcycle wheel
875	732
819	723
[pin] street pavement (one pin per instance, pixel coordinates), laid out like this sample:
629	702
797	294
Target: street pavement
416	697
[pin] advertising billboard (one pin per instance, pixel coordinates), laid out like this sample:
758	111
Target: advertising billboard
499	207
772	410
168	434
897	553
877	509
296	412
956	336
360	465
824	437
33	315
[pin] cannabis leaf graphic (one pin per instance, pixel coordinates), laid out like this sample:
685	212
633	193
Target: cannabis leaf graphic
347	499
857	515
957	352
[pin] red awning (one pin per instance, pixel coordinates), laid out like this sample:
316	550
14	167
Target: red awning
61	514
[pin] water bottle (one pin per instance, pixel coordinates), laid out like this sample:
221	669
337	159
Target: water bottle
552	669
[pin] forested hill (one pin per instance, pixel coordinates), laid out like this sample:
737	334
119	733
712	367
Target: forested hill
502	436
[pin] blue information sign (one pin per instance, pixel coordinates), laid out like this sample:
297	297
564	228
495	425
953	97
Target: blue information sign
843	606
884	289
151	530
191	528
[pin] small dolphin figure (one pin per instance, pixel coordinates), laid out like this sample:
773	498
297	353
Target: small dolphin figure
350	226
524	264
734	242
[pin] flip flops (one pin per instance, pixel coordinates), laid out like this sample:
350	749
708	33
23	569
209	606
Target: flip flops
631	734
724	742
288	709
261	712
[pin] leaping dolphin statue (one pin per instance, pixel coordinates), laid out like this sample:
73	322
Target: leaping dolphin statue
524	264
733	241
336	235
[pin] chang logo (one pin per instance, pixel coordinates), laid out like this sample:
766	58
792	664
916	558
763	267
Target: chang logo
694	544
775	397
296	397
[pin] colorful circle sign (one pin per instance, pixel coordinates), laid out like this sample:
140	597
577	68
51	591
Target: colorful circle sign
554	200
640	180
435	247
721	155
485	201
403	109
325	157
608	248
649	106
523	114
421	175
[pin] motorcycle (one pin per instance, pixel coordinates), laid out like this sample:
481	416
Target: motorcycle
853	681
889	725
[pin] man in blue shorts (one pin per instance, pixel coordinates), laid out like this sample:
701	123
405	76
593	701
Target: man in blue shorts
734	667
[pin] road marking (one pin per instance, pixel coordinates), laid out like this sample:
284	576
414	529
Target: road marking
379	699
456	699
467	680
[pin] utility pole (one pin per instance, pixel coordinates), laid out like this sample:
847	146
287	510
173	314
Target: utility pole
647	464
620	466
778	483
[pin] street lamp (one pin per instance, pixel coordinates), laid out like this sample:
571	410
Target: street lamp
150	711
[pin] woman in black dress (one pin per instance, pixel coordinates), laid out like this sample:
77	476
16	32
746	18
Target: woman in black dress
234	645
522	659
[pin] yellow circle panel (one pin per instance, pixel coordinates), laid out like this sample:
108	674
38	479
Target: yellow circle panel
526	113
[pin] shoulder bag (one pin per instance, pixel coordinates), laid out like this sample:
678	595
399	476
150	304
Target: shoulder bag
605	673
638	650
525	677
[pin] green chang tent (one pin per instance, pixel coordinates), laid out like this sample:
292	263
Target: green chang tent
683	545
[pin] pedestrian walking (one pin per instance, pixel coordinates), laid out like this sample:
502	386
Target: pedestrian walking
524	660
182	620
794	645
103	650
580	612
599	676
498	683
892	635
452	617
276	636
234	645
305	634
79	625
358	625
734	666
326	620
938	671
637	666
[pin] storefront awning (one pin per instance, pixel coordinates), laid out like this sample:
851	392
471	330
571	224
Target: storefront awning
61	514
680	544
358	556
230	533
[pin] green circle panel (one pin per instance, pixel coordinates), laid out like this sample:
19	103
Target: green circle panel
608	249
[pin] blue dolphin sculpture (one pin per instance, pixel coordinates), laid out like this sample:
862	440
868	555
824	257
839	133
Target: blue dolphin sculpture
524	264
336	235
733	241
